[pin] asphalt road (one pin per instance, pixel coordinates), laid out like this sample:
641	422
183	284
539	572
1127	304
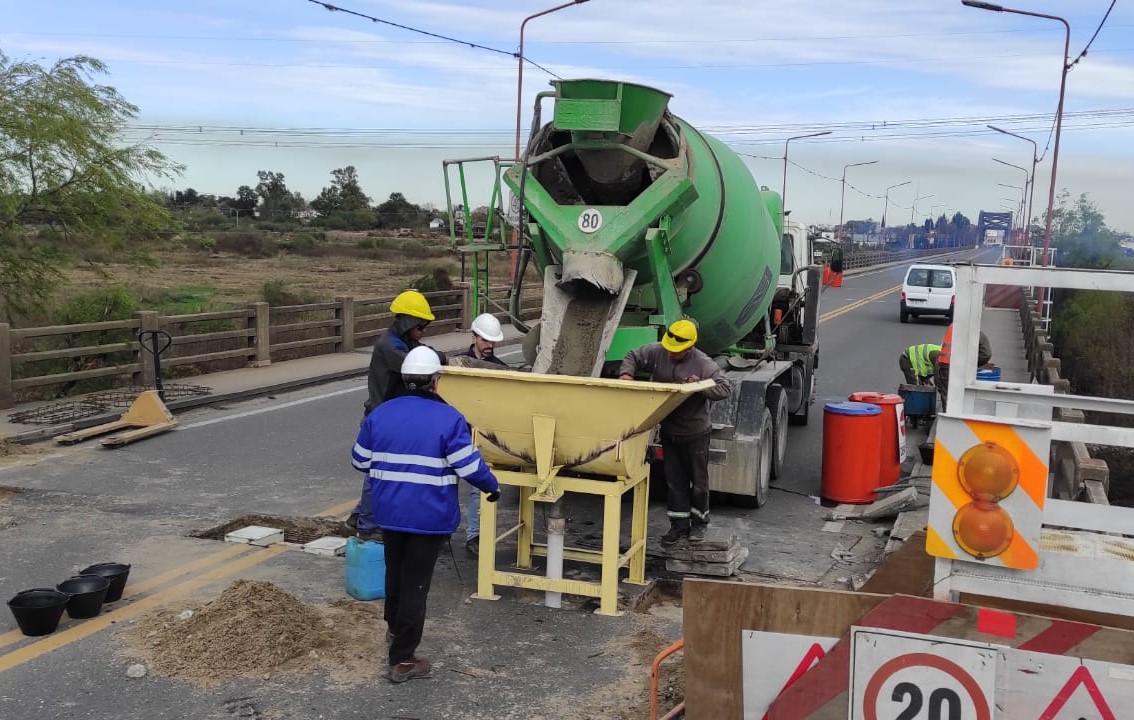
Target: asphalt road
63	509
860	339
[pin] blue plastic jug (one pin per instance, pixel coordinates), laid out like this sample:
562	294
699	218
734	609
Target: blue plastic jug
365	569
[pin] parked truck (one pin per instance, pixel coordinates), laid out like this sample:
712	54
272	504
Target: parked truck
634	219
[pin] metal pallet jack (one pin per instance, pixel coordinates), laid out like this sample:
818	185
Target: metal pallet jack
147	415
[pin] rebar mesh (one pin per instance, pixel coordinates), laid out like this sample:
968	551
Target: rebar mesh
98	403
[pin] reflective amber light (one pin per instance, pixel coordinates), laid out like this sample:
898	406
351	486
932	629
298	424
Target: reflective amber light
988	469
983	529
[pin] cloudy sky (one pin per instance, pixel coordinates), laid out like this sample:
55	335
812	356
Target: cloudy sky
231	88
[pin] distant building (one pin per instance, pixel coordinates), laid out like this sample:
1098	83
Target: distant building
436	224
305	215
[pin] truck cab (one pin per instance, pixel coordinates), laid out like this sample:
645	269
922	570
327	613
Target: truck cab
795	253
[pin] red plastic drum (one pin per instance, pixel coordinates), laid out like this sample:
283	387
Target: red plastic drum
852	433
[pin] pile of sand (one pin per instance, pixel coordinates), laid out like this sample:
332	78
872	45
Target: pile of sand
257	629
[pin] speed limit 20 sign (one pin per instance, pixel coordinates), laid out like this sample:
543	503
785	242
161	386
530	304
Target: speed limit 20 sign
900	676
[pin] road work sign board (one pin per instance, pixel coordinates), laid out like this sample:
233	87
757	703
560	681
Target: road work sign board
772	662
907	676
899	675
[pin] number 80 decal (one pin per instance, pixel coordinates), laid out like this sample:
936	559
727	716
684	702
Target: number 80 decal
590	220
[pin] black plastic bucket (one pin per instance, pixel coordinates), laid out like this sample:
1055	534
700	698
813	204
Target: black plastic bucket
116	573
88	592
38	610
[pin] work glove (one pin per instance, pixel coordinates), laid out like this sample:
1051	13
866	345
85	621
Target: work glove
493	496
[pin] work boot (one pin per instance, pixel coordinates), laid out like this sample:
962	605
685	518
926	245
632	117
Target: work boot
350	525
676	532
472	545
697	532
419	668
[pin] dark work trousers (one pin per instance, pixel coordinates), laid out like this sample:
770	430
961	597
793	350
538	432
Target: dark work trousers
409	570
912	378
686	466
941	379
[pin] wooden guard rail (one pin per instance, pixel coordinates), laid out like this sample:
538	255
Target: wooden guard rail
1077	474
50	361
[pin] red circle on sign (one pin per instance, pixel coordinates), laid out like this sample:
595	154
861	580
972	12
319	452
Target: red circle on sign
950	668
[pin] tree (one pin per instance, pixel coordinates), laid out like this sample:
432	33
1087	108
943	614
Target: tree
246	199
343	205
1080	232
275	199
399	212
68	184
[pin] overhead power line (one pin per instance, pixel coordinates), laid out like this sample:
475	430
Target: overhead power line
427	33
1102	22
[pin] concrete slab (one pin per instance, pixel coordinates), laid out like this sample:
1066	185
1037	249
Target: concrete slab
255	535
327	546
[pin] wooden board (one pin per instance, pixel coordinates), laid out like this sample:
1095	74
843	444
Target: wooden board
906	571
717	612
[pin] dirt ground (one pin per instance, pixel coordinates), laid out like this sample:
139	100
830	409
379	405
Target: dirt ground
237	281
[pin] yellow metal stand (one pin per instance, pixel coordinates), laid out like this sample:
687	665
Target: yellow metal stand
148	415
610	560
541	433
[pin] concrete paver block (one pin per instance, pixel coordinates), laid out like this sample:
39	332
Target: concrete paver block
330	546
255	535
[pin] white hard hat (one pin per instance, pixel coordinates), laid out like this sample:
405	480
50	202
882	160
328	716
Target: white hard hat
488	327
421	361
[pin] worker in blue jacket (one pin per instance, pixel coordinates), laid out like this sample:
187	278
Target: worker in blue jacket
414	450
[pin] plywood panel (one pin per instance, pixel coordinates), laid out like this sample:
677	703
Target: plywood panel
715	614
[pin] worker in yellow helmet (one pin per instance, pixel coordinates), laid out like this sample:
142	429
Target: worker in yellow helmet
685	431
412	315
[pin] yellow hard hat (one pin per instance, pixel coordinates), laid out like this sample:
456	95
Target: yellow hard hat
680	336
412	303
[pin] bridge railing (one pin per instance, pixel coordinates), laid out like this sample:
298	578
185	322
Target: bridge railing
56	361
869	258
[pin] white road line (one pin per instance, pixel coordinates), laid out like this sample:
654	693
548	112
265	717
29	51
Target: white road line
281	406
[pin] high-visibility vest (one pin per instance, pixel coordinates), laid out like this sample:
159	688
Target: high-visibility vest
919	358
946	346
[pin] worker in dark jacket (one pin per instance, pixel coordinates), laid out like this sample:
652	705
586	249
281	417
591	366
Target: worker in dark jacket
685	432
944	358
415	449
412	315
917	363
486	332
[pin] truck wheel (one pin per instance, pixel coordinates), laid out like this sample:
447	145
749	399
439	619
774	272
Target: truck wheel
776	402
800	416
764	460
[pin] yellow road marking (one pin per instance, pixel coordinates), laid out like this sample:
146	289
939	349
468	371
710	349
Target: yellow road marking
225	567
89	627
859	303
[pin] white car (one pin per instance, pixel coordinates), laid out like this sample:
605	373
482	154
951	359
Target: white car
928	290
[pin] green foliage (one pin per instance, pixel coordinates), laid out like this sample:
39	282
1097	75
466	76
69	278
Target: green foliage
437	279
277	293
1080	232
64	169
1084	331
112	302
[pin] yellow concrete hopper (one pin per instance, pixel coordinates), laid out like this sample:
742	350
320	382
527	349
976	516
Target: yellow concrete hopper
553	422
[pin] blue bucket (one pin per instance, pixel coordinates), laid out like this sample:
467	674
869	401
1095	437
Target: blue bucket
991	374
365	569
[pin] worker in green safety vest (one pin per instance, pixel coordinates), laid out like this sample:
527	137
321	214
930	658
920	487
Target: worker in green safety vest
917	363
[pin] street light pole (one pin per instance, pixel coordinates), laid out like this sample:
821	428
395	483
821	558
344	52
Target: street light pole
886	204
520	65
783	187
913	207
1024	194
1066	65
843	197
1032	192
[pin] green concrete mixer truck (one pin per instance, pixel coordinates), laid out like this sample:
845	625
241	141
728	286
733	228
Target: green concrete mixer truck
634	219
